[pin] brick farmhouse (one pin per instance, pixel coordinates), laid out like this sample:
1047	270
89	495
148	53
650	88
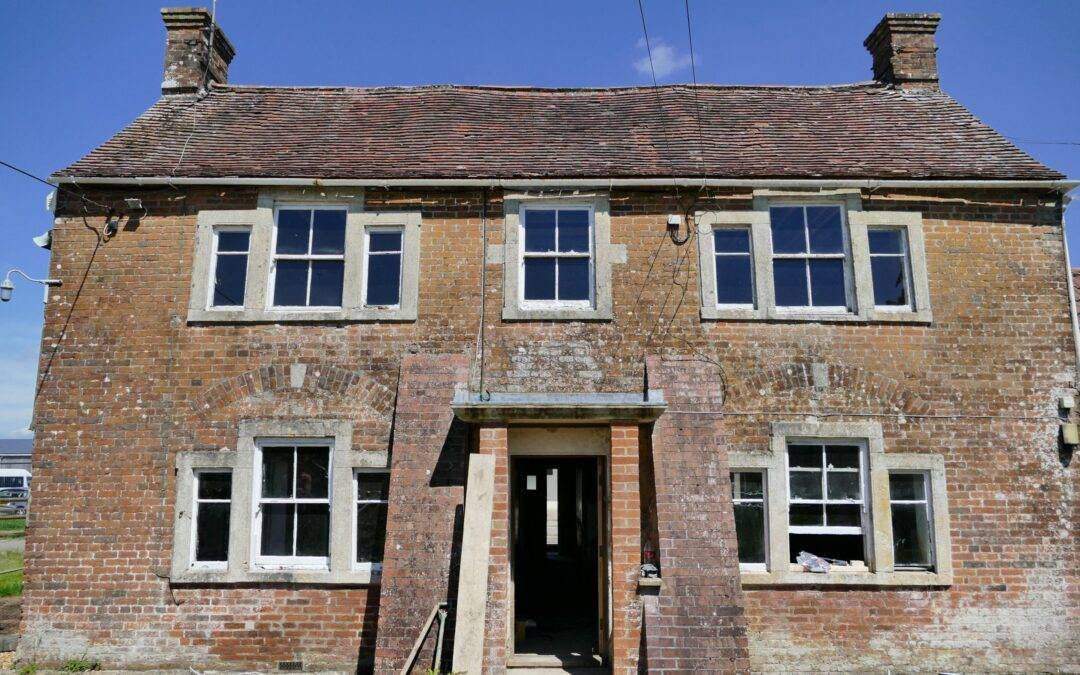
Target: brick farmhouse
378	379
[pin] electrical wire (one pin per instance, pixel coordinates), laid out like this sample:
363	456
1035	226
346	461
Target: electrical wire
1028	140
59	188
200	94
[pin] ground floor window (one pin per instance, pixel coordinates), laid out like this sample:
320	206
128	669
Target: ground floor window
826	504
372	492
213	502
748	498
292	517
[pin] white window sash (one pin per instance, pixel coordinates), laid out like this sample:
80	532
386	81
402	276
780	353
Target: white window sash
845	256
825	501
905	265
211	283
523	255
195	507
753	274
294	561
368	254
308	257
928	502
371	566
764	501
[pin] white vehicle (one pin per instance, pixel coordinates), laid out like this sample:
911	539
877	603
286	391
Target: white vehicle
14	478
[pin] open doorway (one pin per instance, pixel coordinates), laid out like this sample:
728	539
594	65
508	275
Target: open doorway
559	562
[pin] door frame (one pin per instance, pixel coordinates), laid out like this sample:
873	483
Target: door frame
565	442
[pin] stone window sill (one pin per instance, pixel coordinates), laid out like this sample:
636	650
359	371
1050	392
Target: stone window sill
289	316
556	314
352	577
898	578
870	316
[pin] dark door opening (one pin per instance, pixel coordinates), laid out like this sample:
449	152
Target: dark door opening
559	566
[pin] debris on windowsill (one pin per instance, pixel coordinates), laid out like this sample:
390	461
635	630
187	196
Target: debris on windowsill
813	563
649	571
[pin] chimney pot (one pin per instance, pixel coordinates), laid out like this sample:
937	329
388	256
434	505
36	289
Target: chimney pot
189	64
904	50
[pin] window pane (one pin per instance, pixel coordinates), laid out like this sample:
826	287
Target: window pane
911	535
835	546
843	515
843	485
826	233
806	484
230	275
805	514
277	472
788	233
370	532
804	455
212	532
215	485
277	529
734	283
574	231
789	280
539	230
750	532
384	280
573	279
539	279
327	281
312	472
372	486
328	236
827	283
886	241
313	529
890	288
233	240
750	485
292	231
731	240
290	283
904	486
842	456
384	241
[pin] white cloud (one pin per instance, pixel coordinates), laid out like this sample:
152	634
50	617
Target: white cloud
665	60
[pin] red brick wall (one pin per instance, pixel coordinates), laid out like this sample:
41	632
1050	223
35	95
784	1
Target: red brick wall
131	383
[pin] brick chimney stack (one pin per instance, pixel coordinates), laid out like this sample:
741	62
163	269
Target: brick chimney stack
904	51
187	47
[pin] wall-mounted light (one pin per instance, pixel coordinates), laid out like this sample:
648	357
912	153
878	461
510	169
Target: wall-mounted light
7	288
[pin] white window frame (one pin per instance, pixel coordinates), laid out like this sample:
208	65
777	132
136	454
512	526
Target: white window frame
294	561
865	530
845	257
905	255
400	230
716	272
764	501
590	256
214	257
928	491
275	257
195	502
374	568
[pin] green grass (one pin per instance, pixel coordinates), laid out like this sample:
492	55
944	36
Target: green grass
11	583
12	524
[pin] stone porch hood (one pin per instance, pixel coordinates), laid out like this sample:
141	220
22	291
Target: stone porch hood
559	407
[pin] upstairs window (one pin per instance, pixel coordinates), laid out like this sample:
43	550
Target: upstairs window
912	521
810	257
213	504
890	265
309	257
557	257
293	511
230	261
826	514
734	267
383	282
372	493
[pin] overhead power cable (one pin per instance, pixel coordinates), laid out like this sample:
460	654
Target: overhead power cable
60	188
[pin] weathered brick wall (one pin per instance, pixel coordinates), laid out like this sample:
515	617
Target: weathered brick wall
132	383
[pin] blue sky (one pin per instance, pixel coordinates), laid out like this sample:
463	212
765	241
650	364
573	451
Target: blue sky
74	72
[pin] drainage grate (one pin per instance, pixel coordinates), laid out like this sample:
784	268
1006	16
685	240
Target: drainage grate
290	666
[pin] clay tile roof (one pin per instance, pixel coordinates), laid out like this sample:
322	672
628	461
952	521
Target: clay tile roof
848	131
